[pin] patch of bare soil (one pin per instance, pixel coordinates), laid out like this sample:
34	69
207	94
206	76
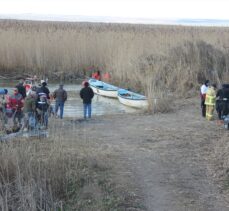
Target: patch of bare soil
165	159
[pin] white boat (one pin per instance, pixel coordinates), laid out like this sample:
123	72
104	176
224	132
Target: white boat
132	99
102	88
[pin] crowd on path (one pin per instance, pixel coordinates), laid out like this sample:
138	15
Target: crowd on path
213	99
29	107
30	104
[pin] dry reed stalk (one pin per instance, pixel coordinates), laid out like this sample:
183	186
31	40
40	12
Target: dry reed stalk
187	55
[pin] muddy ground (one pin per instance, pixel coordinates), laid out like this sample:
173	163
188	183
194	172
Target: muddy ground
165	159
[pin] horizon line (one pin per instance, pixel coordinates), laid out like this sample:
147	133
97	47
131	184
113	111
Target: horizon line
112	19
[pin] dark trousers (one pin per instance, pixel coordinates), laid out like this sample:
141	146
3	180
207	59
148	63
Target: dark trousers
222	108
203	107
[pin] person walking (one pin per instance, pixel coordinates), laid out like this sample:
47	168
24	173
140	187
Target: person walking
86	95
203	91
60	95
210	101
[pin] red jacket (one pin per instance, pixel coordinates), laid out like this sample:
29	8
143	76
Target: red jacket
15	102
96	76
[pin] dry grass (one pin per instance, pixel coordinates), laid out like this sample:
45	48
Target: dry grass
146	57
154	60
47	175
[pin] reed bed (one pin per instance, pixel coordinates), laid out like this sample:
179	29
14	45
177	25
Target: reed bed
146	58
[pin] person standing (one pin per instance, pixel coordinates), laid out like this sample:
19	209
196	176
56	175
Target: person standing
44	89
203	91
60	95
210	101
16	103
222	102
21	88
97	75
30	110
42	111
86	95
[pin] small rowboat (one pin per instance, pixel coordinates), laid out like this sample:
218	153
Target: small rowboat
102	88
132	99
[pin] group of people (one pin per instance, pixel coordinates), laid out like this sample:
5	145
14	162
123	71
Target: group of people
30	109
212	99
34	107
98	76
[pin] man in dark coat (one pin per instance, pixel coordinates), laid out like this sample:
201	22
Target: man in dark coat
222	102
87	94
60	95
21	88
44	89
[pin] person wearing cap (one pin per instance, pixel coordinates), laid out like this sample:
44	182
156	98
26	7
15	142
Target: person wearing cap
44	89
15	102
29	111
203	91
60	95
42	110
86	95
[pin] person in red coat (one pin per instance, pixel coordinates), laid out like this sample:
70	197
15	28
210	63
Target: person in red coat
97	75
16	103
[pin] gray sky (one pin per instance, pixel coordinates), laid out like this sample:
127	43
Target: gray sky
153	9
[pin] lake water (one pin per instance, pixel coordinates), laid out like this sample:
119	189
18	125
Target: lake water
74	106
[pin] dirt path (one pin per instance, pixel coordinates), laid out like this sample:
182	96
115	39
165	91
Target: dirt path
165	155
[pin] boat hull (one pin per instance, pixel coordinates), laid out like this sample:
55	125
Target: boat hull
134	103
103	89
105	93
132	99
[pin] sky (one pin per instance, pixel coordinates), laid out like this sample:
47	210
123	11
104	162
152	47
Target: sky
143	9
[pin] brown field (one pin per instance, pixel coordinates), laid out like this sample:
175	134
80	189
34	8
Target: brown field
134	162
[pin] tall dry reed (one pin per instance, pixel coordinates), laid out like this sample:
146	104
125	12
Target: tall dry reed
175	58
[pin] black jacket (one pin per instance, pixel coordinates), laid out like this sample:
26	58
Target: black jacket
42	106
21	90
44	89
86	94
223	93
